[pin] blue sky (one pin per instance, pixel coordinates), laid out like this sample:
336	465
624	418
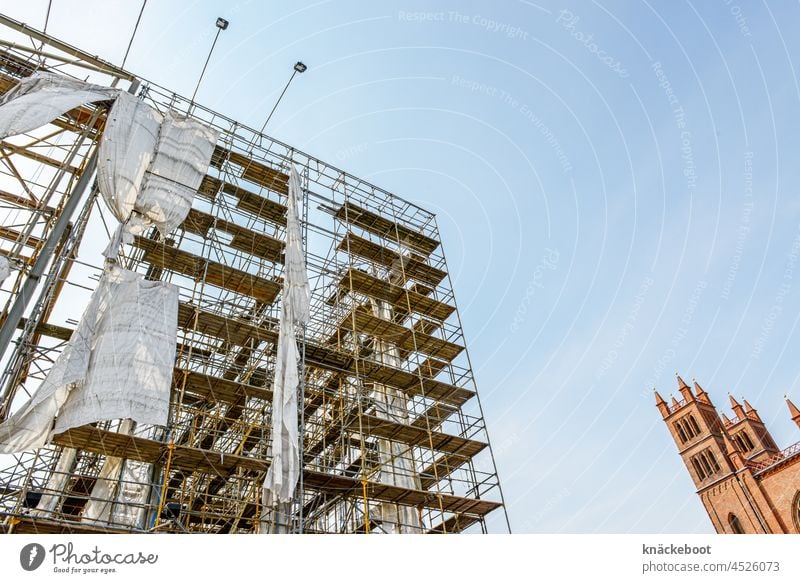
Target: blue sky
615	183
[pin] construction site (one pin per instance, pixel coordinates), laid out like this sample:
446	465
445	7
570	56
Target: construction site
392	436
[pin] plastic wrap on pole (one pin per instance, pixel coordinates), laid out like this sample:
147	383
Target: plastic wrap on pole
284	471
295	284
125	152
98	506
133	354
183	153
56	483
5	268
132	491
42	97
397	464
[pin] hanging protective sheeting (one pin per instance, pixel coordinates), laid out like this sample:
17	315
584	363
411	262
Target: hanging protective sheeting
150	167
42	97
117	364
133	354
182	156
284	471
125	152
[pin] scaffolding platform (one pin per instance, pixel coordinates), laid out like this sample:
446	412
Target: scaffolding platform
201	269
412	435
402	299
363	321
386	228
243	239
410	266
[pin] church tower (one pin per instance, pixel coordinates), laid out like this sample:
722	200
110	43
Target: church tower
746	484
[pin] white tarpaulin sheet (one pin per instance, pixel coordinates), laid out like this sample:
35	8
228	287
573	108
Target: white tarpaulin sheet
150	167
125	152
182	156
133	354
42	97
284	471
118	364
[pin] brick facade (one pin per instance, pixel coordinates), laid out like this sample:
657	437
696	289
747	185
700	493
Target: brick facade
747	485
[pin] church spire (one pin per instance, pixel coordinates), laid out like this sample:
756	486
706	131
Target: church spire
794	411
686	392
661	404
701	394
737	408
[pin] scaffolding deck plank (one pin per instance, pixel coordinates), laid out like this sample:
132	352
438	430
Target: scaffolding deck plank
239	332
251	170
401	299
414	435
216	388
439	469
232	330
244	239
404	338
412	384
386	228
36	525
411	266
200	268
453	525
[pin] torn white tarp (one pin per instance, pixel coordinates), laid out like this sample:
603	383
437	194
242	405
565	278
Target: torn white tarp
125	152
133	354
117	364
284	470
5	268
150	167
182	156
42	97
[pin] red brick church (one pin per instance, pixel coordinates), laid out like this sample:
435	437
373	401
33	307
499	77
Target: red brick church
745	482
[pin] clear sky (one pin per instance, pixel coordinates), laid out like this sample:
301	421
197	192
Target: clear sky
616	186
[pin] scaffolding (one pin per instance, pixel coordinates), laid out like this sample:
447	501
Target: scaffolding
393	437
